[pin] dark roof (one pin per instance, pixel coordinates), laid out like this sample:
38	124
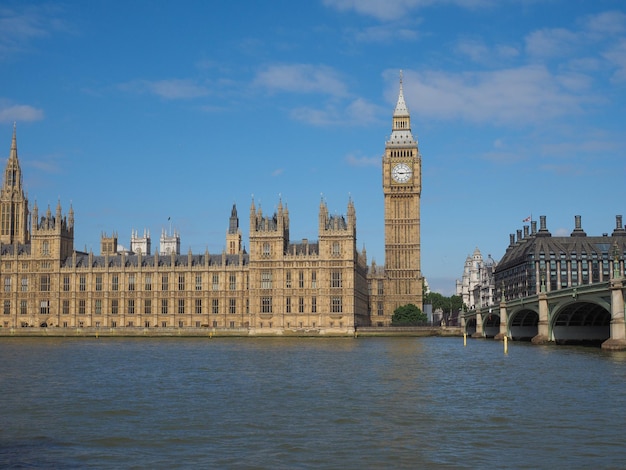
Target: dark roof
301	248
9	249
533	246
82	260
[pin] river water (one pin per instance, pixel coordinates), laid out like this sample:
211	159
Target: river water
308	403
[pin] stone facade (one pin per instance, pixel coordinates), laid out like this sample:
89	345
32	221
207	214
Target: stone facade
477	284
312	287
536	261
402	187
319	287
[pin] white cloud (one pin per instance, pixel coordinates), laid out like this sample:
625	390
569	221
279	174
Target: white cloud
339	110
551	42
19	113
362	112
479	52
354	160
49	165
385	33
616	55
18	28
358	112
522	95
301	78
171	89
380	9
385	10
316	117
608	22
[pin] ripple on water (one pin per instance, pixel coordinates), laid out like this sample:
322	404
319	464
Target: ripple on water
319	403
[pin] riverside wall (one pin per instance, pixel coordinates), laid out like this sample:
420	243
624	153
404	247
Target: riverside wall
417	331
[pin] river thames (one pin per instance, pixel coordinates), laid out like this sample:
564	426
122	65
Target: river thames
285	403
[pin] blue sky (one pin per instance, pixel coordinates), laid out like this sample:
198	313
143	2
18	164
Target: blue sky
136	112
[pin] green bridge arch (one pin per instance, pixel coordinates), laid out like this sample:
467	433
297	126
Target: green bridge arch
583	314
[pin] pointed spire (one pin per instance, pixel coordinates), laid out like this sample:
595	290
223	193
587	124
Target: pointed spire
401	108
71	217
253	223
13	173
401	135
233	226
14	141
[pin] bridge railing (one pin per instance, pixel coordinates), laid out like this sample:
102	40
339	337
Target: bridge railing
572	291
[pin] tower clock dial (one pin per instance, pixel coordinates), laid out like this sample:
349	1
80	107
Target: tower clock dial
401	173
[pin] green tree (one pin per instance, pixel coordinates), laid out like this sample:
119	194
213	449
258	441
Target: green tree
408	315
446	304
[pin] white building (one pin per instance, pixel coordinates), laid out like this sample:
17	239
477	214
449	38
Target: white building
169	243
140	244
477	286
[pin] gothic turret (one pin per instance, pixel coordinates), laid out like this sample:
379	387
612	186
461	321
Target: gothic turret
13	202
52	235
269	235
401	128
233	236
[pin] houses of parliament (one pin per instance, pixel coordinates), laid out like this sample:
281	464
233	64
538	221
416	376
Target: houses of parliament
321	286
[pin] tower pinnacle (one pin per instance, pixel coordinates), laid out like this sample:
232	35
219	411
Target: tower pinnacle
13	201
401	135
401	108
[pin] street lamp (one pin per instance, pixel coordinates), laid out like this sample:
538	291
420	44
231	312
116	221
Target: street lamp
616	270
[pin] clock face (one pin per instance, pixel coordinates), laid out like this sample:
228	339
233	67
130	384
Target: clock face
401	173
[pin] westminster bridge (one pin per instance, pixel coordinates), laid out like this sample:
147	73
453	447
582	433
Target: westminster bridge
590	313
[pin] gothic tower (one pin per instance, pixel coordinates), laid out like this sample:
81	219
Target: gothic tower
13	202
269	235
139	244
402	185
52	236
233	236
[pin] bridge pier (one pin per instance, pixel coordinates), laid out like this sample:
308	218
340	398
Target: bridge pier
543	333
503	323
480	332
617	341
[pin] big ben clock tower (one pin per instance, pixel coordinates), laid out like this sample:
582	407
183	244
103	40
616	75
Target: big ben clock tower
402	185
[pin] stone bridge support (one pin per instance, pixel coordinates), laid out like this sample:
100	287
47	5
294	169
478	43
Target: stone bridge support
617	341
480	332
543	333
504	321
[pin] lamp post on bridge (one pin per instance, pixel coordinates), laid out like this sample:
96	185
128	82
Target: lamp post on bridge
616	270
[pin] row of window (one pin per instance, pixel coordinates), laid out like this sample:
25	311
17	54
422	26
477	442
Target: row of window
44	307
146	324
131	304
45	284
379	287
336	281
266	250
336	305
